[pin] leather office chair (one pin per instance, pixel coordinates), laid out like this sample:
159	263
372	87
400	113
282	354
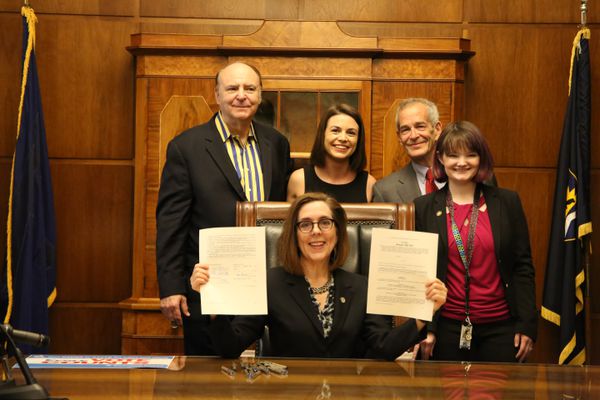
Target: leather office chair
362	218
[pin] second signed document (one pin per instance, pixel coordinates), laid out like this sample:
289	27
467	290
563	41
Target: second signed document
400	264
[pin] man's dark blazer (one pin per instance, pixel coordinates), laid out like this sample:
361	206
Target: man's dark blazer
199	189
511	244
295	330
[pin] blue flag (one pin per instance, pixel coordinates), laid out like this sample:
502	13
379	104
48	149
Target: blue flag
29	287
563	301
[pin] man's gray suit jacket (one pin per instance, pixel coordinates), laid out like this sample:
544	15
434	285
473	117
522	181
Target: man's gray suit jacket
399	187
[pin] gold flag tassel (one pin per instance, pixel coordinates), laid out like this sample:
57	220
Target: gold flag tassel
585	34
31	19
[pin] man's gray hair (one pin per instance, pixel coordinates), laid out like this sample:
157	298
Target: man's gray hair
433	115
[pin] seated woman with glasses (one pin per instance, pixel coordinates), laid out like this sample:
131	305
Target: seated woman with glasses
316	309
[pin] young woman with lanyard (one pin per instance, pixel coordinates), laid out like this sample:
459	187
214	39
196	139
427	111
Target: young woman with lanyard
484	257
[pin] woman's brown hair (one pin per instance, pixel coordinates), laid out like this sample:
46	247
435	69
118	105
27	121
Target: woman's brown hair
288	250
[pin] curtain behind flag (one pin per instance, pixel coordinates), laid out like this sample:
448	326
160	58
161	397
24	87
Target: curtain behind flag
571	221
29	284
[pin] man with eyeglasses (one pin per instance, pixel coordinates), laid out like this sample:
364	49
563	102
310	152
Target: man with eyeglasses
418	127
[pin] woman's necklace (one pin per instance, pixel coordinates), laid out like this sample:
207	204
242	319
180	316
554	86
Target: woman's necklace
320	289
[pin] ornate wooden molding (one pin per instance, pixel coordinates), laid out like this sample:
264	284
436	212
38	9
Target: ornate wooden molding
300	38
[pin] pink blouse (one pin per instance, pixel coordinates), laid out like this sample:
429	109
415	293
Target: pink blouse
487	302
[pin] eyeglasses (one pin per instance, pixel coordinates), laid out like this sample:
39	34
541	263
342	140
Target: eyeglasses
324	224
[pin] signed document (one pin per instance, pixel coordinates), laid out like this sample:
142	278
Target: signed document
400	264
237	263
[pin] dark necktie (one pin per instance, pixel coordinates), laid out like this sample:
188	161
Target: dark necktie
429	182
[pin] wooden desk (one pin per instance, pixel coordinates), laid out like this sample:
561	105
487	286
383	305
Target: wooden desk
322	379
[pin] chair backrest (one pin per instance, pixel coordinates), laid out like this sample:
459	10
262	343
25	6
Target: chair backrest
362	218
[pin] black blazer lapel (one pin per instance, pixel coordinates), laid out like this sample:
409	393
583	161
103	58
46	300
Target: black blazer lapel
440	219
439	208
494	207
299	292
216	150
344	295
266	160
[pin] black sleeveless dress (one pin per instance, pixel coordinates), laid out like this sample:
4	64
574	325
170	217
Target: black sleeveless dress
352	192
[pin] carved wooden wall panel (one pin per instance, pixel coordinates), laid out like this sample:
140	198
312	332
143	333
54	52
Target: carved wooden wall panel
258	9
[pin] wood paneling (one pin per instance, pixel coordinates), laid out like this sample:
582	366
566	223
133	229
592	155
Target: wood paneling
85	7
182	66
179	114
159	93
382	114
594	269
85	328
530	183
595	259
405	29
516	91
5	166
259	9
94	206
10	76
147	332
314	67
532	11
199	26
150	281
87	86
416	69
307	35
382	10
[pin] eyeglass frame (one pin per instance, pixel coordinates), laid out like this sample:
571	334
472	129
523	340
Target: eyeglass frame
313	223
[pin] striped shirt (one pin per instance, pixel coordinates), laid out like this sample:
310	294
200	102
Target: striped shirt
245	158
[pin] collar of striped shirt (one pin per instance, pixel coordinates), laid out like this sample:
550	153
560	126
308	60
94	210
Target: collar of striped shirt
224	129
245	158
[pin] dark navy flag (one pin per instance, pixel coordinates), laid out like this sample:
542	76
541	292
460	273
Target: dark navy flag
29	286
563	301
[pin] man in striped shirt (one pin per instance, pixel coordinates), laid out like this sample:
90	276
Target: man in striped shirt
208	168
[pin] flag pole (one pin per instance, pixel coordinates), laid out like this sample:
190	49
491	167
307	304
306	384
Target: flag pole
586	251
585	242
583	9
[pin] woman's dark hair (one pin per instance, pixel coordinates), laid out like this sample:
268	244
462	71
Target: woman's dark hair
288	250
358	159
463	136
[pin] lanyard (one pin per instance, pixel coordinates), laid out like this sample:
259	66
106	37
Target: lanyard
467	255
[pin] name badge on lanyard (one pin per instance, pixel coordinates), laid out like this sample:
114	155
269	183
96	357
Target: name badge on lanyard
466	329
466	334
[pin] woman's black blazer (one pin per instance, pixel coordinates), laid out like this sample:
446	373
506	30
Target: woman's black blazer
511	244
